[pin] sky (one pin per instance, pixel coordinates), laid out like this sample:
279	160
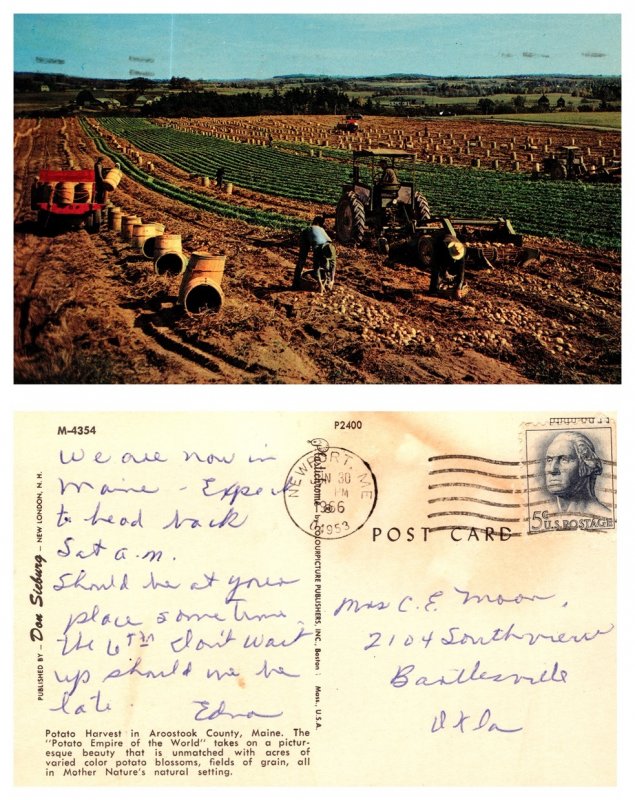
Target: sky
252	45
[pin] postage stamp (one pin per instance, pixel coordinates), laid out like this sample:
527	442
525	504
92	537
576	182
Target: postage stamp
330	491
571	475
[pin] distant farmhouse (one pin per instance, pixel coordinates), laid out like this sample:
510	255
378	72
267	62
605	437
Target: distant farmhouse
86	99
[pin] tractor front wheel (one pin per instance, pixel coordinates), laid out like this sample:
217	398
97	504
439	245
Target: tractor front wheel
350	219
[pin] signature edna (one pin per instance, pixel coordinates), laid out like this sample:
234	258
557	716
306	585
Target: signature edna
209	710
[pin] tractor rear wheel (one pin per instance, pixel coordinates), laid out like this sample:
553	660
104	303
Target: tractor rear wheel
421	207
350	219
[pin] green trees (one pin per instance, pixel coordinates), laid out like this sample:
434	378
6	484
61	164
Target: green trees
543	103
304	99
486	105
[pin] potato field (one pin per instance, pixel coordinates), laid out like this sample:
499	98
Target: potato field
92	308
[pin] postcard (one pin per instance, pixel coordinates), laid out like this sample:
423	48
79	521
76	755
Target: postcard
315	599
318	198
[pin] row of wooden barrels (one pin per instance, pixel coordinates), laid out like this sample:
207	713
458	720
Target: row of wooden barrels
65	193
202	272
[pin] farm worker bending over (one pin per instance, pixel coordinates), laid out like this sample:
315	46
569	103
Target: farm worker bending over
448	266
316	240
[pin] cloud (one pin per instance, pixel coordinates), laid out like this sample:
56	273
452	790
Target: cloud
594	55
527	54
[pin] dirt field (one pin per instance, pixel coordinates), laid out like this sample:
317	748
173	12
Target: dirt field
90	309
501	146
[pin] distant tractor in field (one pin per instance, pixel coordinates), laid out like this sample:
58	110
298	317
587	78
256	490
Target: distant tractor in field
369	206
566	163
349	124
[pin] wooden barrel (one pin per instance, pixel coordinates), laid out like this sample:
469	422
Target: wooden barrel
83	192
114	219
201	285
168	254
45	192
128	221
229	188
112	178
148	246
211	266
204	180
141	232
64	193
199	293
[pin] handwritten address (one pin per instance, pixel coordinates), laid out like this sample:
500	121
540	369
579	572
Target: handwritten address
406	626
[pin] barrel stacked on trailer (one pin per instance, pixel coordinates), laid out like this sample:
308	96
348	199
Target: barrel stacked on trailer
66	196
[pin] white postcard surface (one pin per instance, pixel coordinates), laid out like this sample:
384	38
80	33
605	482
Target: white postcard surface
310	599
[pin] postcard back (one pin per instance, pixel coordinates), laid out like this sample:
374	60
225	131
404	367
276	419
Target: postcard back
311	599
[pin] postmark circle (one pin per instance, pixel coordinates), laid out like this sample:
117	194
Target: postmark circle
330	492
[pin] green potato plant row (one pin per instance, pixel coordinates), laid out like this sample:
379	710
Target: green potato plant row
190	197
585	213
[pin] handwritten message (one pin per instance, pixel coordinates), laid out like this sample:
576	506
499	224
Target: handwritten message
147	588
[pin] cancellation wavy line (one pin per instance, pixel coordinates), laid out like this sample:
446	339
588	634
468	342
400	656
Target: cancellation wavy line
477	486
597	531
474	500
470	528
547	501
472	514
476	458
605	461
476	472
524	462
538	475
484	488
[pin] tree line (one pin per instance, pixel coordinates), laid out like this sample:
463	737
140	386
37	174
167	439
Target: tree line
297	100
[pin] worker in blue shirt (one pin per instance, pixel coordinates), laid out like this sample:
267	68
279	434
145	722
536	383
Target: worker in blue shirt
314	239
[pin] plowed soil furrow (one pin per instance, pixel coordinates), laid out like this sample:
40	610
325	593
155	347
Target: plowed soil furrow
90	308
